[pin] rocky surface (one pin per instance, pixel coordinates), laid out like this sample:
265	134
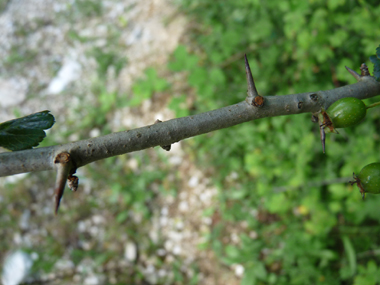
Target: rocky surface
50	61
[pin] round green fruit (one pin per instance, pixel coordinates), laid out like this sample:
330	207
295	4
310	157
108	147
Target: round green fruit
368	180
346	112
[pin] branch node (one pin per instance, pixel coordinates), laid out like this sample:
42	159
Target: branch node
165	147
253	98
356	75
364	70
314	97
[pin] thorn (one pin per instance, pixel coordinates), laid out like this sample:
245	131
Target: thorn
252	92
253	97
364	69
323	136
165	147
64	164
356	75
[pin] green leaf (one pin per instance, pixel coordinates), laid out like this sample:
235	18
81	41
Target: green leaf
232	252
368	275
375	59
351	255
249	278
25	132
178	105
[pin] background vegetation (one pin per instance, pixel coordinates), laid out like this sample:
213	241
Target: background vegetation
307	230
276	189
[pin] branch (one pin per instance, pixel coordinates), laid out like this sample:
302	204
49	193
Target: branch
175	130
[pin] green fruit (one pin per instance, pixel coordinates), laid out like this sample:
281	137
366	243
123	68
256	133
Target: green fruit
368	180
346	112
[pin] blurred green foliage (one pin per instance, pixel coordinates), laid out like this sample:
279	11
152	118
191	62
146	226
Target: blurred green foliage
105	59
275	186
144	88
312	235
375	59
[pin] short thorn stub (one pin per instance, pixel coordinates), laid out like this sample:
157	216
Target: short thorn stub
364	70
258	101
164	147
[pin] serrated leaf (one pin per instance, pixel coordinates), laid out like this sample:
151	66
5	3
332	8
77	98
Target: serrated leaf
378	52
25	132
376	66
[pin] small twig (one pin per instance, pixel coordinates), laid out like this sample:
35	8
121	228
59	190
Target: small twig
356	75
253	97
64	165
373	105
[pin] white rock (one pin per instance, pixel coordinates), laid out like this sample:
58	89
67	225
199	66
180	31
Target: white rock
239	270
130	251
69	71
193	182
16	268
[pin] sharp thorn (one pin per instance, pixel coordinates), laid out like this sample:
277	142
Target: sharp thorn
252	92
356	75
